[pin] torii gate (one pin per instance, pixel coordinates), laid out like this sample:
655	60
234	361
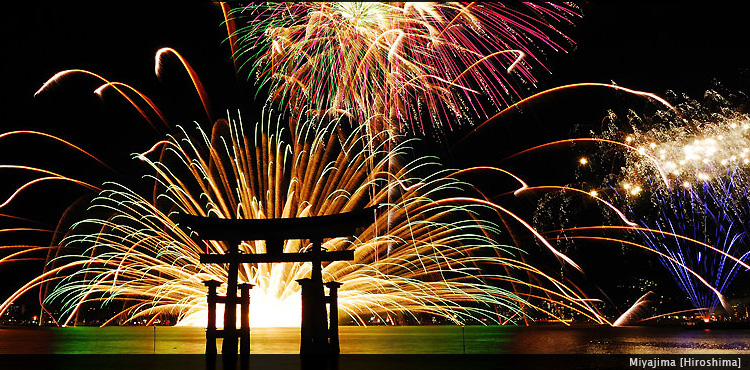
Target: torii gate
317	334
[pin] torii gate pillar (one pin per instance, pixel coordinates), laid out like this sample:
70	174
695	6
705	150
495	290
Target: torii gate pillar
318	333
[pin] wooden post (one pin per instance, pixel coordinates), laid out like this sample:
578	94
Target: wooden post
229	345
333	317
316	274
274	246
316	331
317	299
245	318
211	325
306	343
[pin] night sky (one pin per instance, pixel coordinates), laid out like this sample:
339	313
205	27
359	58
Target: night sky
650	46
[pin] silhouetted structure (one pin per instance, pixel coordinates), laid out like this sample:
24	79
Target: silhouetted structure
318	333
212	332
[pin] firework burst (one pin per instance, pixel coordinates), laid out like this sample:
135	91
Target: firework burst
432	253
399	66
133	256
697	216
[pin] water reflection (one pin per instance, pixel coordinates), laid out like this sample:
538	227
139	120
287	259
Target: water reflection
386	340
628	340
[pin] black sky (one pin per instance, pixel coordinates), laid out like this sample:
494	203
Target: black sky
650	46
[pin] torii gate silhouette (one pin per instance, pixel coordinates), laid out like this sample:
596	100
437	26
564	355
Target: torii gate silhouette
317	335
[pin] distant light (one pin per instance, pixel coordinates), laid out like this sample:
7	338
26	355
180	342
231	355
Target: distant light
635	190
593	193
583	161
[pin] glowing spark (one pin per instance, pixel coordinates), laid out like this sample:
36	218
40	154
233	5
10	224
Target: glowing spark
396	61
536	234
627	316
193	76
142	257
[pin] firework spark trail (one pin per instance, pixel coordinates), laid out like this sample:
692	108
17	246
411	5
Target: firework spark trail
700	218
58	76
561	290
532	98
684	269
597	198
55	138
53	176
140	255
191	72
628	315
100	90
654	163
682	238
692	153
523	187
696	174
715	218
414	65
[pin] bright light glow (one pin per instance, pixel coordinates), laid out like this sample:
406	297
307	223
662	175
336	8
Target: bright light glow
700	151
265	312
705	156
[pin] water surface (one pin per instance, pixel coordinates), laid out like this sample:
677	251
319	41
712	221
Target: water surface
387	340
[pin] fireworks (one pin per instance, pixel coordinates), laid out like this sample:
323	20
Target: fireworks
691	154
379	67
397	66
698	217
432	253
133	253
682	190
429	254
712	216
